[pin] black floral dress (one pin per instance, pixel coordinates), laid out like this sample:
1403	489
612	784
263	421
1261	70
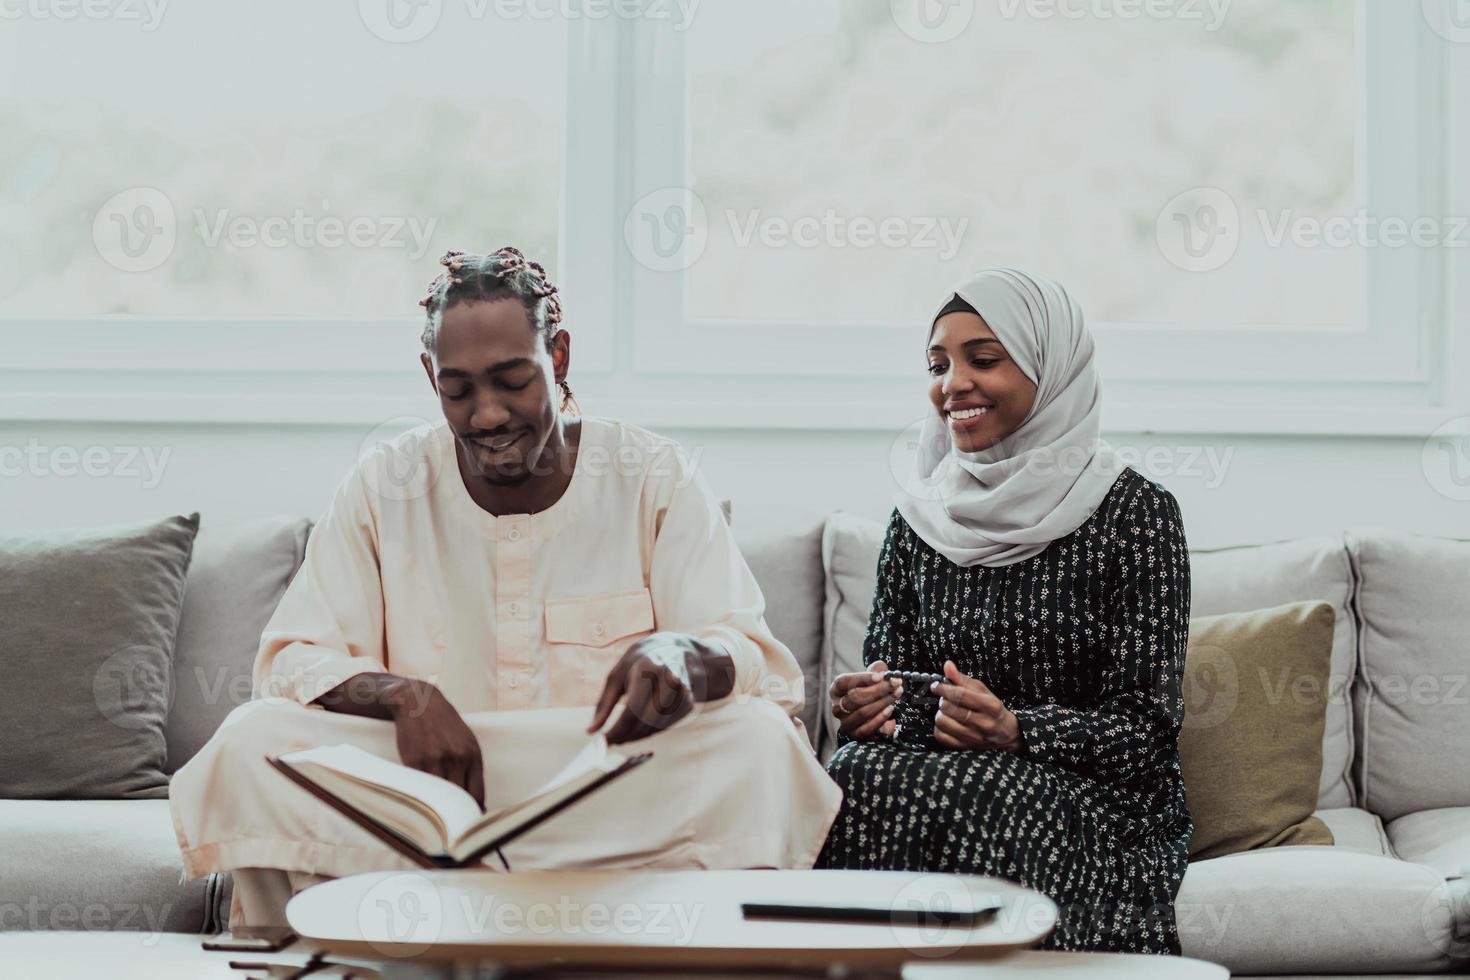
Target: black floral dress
1085	644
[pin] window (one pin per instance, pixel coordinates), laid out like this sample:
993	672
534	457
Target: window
1246	197
852	172
269	159
752	205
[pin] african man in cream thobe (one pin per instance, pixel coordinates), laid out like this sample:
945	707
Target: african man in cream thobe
518	620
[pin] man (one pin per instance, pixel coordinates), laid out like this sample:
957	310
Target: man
486	594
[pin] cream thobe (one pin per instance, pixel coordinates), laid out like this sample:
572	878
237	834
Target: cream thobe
518	619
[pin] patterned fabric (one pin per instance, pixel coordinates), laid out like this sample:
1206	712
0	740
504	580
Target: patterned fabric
1085	643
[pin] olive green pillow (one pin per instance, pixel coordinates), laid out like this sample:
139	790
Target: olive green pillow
1255	703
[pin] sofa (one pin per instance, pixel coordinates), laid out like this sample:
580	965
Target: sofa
1390	896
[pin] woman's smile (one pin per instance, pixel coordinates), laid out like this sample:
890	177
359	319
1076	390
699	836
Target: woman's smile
967	418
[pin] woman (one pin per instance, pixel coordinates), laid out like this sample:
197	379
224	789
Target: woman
1051	588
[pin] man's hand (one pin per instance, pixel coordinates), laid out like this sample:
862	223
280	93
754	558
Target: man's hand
660	679
972	717
432	737
863	702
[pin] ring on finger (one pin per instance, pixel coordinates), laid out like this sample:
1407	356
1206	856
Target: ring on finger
842	705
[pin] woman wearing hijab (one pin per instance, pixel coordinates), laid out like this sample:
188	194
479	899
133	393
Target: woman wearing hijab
1050	587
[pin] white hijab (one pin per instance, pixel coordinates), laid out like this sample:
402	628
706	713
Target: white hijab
1009	502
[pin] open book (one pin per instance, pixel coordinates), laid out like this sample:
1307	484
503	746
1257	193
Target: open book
431	820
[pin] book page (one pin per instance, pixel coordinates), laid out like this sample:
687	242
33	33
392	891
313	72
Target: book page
455	808
591	763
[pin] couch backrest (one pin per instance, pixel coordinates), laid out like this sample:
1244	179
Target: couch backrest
1412	696
1251	577
236	578
787	563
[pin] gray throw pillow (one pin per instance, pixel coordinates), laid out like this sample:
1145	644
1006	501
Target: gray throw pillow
86	646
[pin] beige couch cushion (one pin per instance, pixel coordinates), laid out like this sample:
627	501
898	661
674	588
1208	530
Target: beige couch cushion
1356	830
1317	910
787	564
1437	838
236	579
96	865
1255	689
1259	576
850	547
1413	691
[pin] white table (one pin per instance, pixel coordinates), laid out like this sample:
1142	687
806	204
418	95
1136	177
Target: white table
657	919
175	956
125	956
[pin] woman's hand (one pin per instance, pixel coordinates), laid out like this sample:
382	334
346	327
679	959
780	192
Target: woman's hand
971	717
863	702
660	679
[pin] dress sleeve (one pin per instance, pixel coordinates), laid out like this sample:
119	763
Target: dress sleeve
893	625
1135	726
329	624
701	585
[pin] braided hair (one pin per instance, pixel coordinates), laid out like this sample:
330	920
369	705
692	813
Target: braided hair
502	274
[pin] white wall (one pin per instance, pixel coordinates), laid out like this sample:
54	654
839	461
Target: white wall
1231	489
